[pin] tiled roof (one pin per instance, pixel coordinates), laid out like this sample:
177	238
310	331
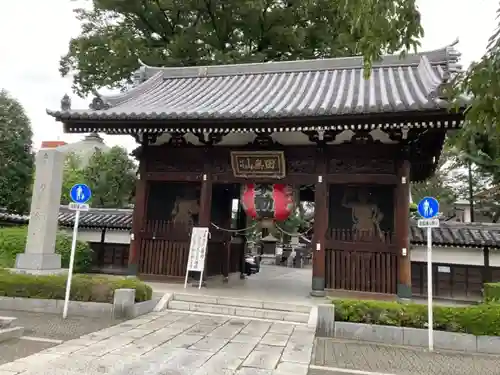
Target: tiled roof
52	144
448	234
119	219
459	234
273	90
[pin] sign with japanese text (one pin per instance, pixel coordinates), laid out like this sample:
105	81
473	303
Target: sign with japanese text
255	164
197	249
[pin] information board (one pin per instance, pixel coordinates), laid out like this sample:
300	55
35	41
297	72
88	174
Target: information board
197	252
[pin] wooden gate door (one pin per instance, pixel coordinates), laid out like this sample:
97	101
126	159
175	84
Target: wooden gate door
164	249
362	266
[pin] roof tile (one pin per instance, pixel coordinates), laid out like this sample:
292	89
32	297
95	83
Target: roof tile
326	87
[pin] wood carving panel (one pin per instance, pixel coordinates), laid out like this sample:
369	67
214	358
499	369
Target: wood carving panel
301	165
358	166
181	160
221	161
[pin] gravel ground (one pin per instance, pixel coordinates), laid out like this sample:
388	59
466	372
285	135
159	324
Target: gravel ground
52	326
398	360
48	326
15	349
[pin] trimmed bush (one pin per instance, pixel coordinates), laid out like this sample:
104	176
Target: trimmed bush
483	319
85	288
13	242
491	293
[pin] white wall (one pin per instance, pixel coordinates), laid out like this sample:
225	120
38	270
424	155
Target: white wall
455	255
111	236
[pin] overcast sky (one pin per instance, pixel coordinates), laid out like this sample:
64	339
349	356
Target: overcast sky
34	34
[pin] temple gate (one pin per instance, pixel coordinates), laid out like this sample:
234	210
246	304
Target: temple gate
352	145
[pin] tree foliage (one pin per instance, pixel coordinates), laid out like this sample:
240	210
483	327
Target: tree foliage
72	174
116	34
109	174
479	140
16	156
440	185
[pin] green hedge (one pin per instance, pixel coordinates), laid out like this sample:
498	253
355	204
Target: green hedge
87	288
491	293
483	319
13	242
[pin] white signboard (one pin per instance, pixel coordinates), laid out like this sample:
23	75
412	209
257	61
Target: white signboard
78	206
444	269
197	253
428	223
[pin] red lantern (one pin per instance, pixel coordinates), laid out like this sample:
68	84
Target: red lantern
264	202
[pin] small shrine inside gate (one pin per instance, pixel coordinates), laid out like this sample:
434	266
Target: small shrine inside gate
257	133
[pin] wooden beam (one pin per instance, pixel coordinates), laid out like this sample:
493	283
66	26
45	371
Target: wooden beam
173	176
376	179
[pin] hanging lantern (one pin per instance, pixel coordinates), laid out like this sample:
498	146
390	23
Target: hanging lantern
265	202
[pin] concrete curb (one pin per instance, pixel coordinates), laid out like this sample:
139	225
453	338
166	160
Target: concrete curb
417	337
162	304
87	309
11	333
402	336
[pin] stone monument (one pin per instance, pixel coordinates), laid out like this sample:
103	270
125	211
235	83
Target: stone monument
39	256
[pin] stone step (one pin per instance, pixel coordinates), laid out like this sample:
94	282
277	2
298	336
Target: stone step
240	311
240	302
11	333
6	321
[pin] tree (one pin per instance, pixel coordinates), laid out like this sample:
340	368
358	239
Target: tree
111	177
479	139
116	34
72	174
16	156
441	185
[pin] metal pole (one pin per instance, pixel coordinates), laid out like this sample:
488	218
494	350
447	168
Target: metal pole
429	290
471	192
71	262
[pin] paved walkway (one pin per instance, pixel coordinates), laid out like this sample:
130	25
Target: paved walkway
387	360
178	344
272	283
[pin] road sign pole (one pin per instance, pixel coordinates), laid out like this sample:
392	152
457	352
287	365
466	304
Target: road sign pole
71	262
430	286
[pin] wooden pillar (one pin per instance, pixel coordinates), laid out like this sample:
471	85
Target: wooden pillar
205	209
402	227
205	200
242	222
321	206
487	277
141	198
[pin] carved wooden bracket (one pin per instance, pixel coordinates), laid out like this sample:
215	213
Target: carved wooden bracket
211	138
321	137
177	139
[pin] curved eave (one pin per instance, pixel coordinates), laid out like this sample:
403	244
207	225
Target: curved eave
487	245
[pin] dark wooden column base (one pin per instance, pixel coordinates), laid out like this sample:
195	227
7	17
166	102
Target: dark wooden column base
404	291
132	269
318	287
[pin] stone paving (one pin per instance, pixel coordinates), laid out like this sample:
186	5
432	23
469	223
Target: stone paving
384	359
178	344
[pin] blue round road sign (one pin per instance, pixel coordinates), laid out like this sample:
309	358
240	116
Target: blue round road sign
428	207
80	193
